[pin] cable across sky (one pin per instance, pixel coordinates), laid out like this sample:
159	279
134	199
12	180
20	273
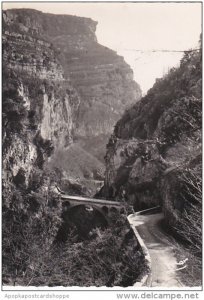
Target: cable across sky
161	50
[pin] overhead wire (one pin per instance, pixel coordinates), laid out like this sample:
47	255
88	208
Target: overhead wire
161	50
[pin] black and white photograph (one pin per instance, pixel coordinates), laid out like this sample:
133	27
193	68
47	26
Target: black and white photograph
101	146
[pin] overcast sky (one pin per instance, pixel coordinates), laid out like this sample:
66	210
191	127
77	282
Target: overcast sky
126	27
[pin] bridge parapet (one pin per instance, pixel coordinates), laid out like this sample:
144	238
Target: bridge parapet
91	200
104	206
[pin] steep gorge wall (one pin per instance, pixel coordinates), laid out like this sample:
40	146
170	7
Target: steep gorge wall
38	88
77	88
33	91
157	142
102	79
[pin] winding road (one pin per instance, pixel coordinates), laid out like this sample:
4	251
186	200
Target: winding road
165	266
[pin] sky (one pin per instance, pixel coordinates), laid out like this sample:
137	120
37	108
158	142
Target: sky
127	27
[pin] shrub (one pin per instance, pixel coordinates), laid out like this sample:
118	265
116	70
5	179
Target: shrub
190	223
29	228
19	179
109	258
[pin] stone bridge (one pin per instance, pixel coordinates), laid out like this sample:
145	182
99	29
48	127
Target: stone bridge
105	207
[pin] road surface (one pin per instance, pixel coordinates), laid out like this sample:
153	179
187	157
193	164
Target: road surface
161	250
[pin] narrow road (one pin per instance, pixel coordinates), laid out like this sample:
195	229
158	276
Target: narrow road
160	247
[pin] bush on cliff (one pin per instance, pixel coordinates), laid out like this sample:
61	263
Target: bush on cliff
190	223
13	109
30	222
186	221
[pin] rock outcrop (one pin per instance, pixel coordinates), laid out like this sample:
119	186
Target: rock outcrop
157	142
37	104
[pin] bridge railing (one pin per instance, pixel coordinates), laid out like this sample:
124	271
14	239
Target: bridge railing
90	200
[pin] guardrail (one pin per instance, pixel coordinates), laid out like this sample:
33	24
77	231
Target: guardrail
146	277
149	210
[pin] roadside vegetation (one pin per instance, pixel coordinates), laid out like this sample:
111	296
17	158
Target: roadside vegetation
109	257
189	227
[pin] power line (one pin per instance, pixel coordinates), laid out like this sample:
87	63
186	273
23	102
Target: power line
161	50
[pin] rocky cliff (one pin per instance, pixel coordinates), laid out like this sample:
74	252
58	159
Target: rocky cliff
38	103
32	92
75	88
104	82
154	156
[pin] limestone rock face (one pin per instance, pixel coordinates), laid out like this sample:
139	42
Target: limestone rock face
39	104
75	88
69	87
101	77
157	141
